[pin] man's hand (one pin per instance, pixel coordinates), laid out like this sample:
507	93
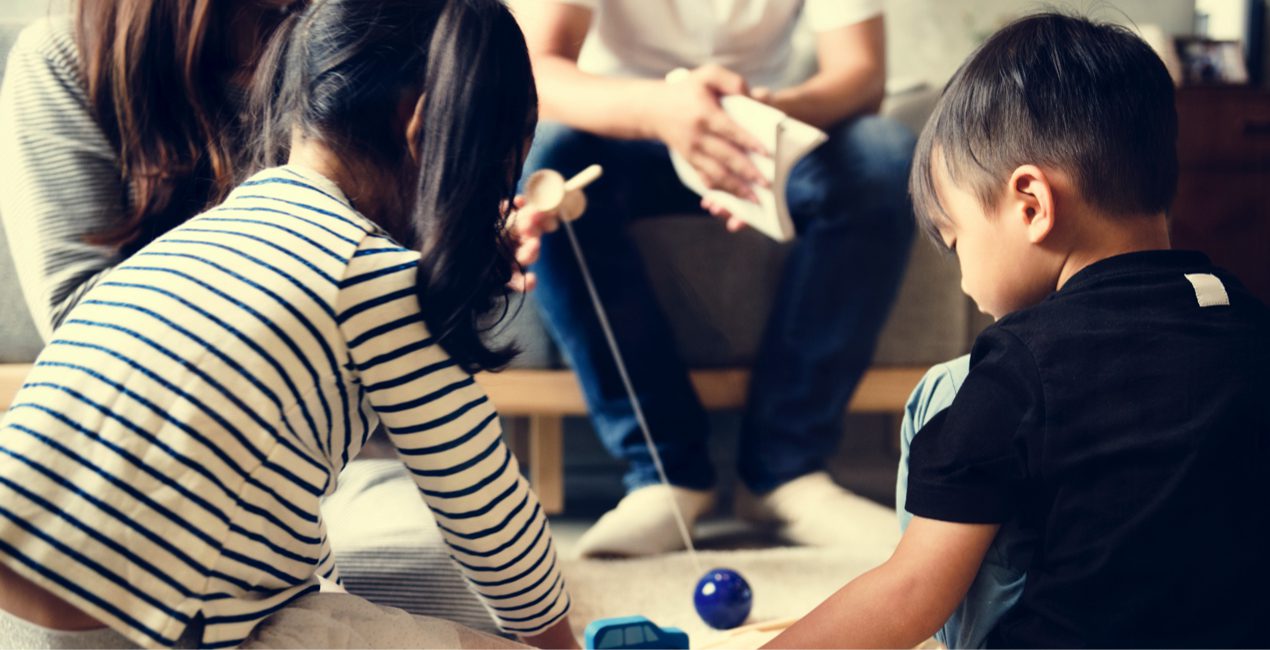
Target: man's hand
735	224
687	117
524	230
731	222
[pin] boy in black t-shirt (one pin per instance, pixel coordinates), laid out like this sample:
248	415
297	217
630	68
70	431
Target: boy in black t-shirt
1107	452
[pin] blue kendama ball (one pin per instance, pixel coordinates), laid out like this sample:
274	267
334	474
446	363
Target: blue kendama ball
723	599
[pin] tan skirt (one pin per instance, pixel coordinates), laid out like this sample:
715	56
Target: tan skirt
341	620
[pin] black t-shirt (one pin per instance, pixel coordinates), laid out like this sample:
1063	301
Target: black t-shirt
1124	423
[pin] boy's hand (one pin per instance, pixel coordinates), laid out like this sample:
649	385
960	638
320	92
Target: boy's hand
904	601
687	117
524	230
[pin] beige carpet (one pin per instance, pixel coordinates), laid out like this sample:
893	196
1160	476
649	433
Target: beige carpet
385	540
785	581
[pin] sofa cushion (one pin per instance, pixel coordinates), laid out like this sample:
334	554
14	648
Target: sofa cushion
716	287
931	320
523	327
20	342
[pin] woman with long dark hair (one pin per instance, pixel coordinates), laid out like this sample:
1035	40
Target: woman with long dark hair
116	125
161	470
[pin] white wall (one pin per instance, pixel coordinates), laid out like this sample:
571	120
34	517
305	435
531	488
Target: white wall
25	10
928	39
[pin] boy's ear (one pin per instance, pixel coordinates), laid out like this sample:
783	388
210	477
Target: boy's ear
1031	200
413	117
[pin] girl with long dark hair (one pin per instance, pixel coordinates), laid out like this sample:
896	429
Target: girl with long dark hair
161	470
116	125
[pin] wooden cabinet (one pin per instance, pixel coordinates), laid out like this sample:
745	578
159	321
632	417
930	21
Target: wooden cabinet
1223	194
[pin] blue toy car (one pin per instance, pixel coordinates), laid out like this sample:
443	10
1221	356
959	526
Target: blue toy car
633	632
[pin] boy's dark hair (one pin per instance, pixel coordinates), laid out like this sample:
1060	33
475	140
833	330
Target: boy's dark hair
339	72
1089	98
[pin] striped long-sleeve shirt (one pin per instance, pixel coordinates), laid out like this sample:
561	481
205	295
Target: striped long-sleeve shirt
165	459
60	177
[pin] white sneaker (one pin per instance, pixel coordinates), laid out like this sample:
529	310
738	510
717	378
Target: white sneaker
813	510
643	523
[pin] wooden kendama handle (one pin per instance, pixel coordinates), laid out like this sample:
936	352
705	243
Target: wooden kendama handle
583	178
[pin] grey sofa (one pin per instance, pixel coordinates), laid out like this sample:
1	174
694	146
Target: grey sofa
716	286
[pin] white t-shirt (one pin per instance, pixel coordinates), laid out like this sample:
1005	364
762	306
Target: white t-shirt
755	38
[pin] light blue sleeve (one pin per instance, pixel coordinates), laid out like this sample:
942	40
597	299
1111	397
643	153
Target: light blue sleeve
934	393
1003	573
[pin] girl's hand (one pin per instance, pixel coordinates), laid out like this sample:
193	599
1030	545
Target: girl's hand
525	229
558	635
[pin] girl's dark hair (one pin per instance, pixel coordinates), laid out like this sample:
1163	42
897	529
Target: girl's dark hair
348	73
1089	98
157	73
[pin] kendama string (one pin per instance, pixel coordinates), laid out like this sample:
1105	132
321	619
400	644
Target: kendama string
602	315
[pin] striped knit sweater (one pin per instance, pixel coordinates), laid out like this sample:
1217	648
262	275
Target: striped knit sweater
60	178
165	459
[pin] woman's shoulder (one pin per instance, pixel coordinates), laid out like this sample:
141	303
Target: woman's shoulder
51	39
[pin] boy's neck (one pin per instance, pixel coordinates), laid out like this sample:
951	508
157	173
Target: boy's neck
1109	236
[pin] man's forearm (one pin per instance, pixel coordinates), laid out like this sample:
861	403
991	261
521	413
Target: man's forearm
607	106
832	96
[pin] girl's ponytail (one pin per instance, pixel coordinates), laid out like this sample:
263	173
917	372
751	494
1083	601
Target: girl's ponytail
273	93
342	72
480	106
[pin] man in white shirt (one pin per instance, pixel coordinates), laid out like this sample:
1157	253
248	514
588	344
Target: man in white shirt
600	67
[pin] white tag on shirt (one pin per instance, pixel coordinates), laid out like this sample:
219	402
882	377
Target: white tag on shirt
1209	290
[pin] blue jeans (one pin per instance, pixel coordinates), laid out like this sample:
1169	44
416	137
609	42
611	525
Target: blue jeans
1000	581
848	200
